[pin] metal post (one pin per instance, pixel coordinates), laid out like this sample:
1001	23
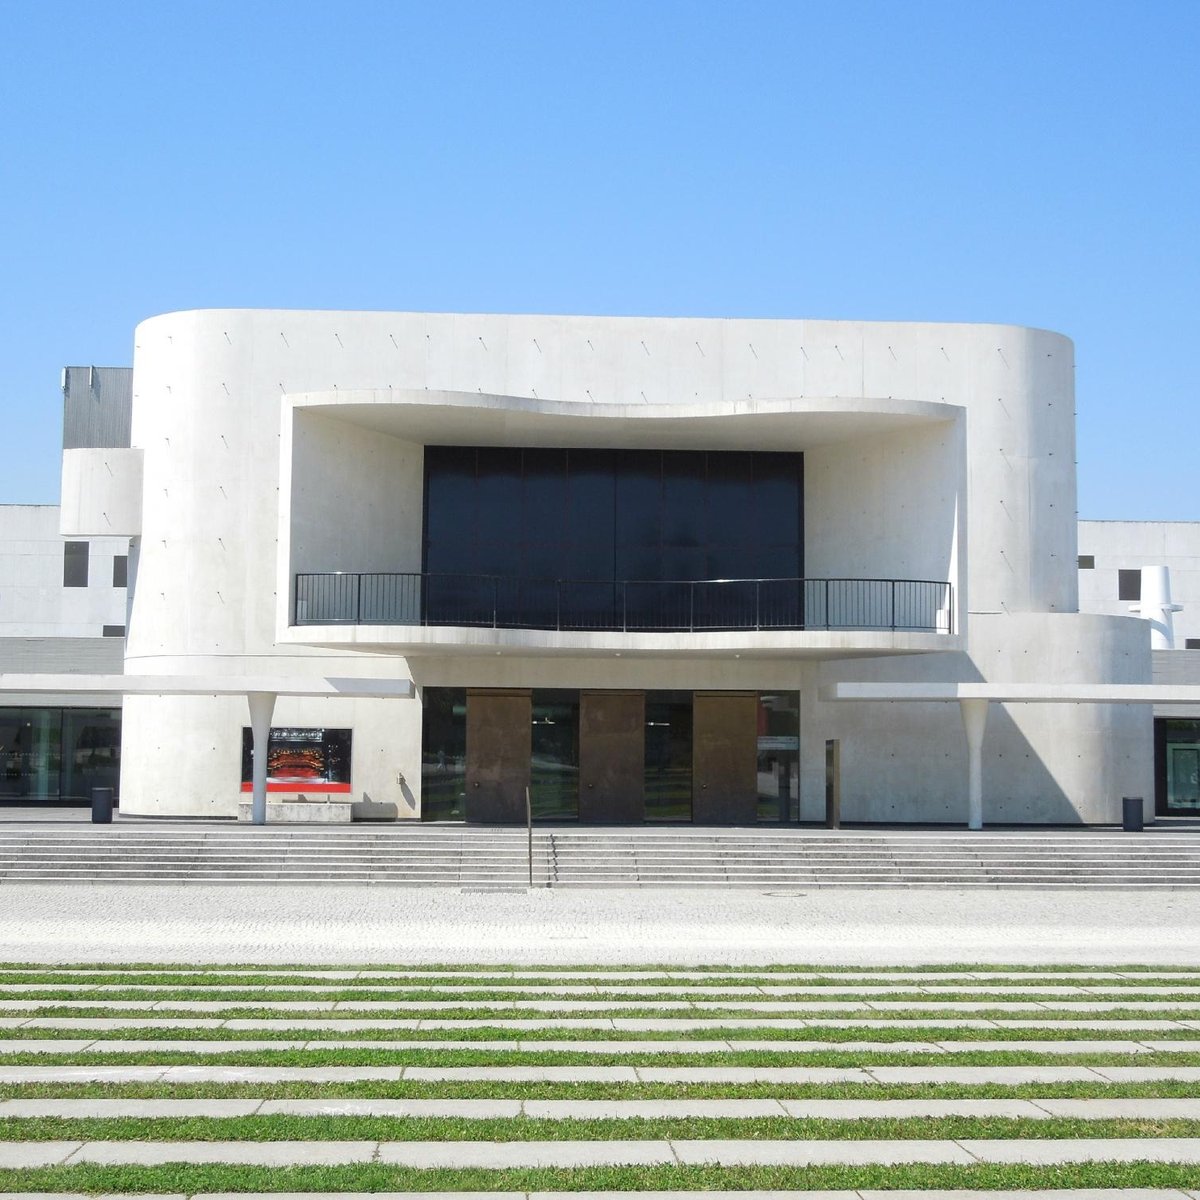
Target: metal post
827	624
558	604
893	606
692	606
495	600
358	599
833	784
758	604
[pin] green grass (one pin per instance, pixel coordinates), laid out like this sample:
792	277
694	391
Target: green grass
450	1012
506	1033
412	1089
378	1177
288	1128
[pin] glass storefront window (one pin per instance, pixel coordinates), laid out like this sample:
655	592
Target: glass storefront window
1178	766
58	753
668	794
443	754
554	766
778	756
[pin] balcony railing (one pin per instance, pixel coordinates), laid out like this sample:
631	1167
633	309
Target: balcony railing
626	606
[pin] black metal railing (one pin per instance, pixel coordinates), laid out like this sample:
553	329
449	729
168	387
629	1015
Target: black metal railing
627	605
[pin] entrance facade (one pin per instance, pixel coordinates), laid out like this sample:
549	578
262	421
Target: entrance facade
610	757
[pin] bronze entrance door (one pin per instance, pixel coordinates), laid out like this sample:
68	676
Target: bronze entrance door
611	756
498	755
725	758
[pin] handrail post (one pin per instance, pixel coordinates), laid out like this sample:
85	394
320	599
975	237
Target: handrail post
495	600
827	624
692	606
558	605
358	599
529	827
758	605
893	606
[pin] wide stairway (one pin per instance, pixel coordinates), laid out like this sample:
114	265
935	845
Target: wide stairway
477	857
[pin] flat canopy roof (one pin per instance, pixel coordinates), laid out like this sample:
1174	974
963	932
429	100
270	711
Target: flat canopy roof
207	685
1022	693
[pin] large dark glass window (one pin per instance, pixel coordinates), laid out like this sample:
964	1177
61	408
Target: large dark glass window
443	754
604	539
58	753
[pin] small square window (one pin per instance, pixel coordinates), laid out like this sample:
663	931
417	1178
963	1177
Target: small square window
1191	643
114	631
75	564
1087	562
1129	585
120	570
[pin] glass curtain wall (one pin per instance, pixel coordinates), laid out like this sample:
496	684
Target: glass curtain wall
778	757
443	754
58	754
554	767
1177	755
603	539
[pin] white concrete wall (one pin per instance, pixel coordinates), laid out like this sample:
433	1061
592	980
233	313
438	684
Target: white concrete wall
350	500
101	492
1131	545
887	507
208	415
1043	764
33	601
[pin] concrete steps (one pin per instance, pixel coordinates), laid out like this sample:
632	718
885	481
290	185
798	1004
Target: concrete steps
441	856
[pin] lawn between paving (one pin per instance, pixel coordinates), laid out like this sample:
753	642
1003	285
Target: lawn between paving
189	1178
496	997
566	1090
286	1127
506	1033
1034	1010
370	1057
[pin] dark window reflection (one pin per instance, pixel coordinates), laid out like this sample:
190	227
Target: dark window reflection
58	753
668	780
639	526
443	753
779	756
554	765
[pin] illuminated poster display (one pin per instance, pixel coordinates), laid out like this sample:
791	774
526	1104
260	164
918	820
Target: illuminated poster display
302	760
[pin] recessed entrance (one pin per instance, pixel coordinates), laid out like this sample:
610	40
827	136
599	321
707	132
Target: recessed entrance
610	757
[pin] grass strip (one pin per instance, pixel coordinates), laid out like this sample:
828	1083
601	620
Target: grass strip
294	1128
681	996
191	1178
415	1089
497	1014
506	1033
370	1057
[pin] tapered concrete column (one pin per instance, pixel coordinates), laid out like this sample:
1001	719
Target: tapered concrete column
974	715
262	705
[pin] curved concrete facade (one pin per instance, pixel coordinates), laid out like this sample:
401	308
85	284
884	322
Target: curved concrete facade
277	442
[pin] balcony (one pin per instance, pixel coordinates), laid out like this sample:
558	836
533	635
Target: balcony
623	606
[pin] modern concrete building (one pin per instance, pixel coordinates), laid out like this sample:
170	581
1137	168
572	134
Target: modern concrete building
1120	564
624	561
62	611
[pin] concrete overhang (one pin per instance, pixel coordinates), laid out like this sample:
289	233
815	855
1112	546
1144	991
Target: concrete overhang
1019	693
416	640
482	419
206	685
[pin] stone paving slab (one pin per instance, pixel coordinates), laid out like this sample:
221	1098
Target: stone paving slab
1060	1150
496	1155
598	1074
268	1154
109	1109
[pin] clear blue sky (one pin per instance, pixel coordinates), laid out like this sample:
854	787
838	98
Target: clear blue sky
1026	162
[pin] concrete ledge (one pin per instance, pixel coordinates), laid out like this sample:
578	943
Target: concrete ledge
303	810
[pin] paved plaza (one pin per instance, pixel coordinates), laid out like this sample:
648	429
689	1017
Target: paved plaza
335	924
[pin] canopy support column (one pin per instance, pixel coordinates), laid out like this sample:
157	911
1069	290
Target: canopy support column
974	715
262	706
